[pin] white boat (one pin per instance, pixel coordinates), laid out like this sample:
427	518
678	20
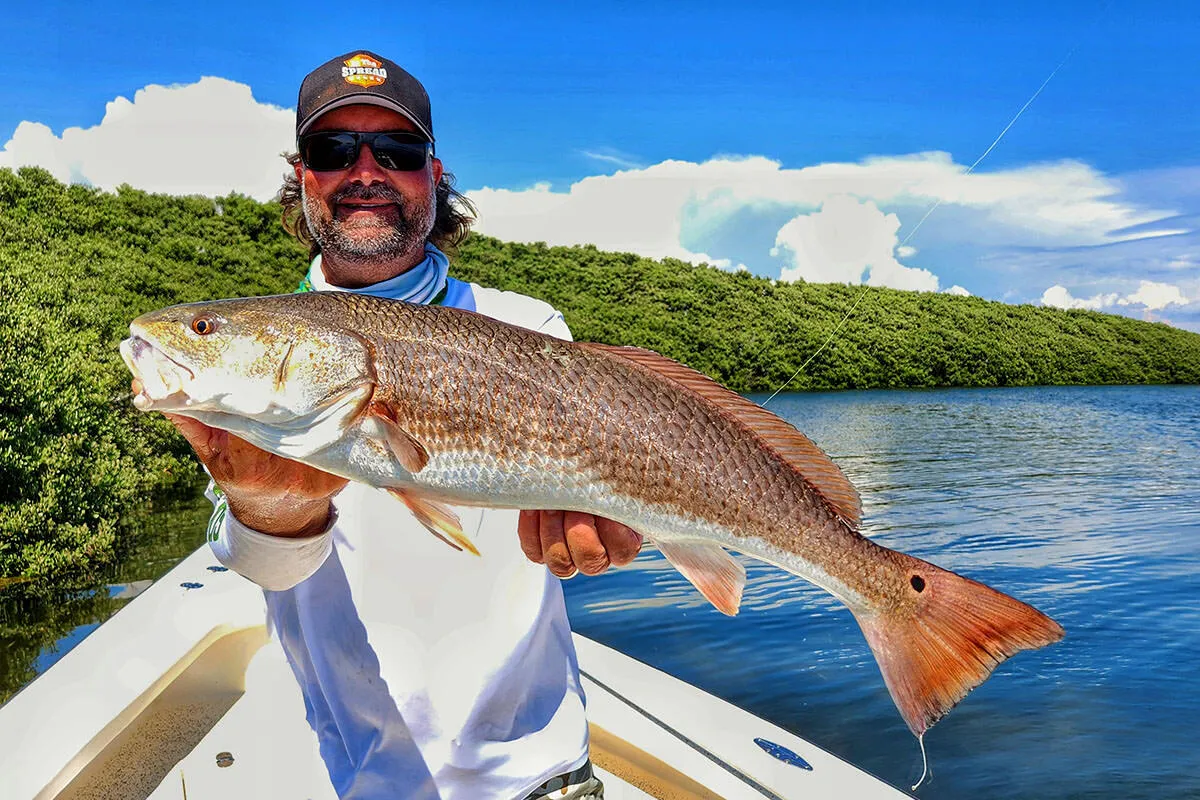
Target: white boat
182	696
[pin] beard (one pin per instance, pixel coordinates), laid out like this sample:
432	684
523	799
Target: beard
402	230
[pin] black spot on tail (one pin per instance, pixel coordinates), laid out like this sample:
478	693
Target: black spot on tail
917	582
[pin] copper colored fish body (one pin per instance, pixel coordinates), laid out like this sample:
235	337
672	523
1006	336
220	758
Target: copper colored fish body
442	406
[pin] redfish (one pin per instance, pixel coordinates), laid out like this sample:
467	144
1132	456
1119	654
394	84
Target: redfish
444	407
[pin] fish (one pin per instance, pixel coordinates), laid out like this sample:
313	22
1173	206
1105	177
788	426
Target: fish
443	407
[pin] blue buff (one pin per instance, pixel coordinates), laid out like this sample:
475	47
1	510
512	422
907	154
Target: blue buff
421	284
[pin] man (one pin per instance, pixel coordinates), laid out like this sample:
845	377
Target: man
426	672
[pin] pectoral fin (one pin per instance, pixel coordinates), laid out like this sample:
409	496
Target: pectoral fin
718	575
437	518
408	450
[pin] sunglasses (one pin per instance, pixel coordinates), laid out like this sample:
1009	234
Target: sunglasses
328	151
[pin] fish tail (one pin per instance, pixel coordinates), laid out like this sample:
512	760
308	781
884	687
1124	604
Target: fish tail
945	639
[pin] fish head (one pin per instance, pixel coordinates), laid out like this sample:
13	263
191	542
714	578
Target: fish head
251	358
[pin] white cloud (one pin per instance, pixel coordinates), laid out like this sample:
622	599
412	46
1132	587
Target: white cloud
843	219
211	137
1150	295
844	239
1155	296
1060	297
1065	202
958	290
610	155
639	211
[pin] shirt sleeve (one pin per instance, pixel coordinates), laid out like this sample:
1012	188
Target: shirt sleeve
276	563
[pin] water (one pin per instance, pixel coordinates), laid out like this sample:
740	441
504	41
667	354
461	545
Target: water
1082	501
38	627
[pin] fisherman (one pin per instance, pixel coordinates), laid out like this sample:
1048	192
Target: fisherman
426	672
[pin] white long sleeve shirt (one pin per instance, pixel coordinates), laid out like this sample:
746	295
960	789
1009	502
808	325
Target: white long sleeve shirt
426	672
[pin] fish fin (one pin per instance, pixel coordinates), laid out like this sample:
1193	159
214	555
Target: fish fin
407	448
437	518
718	575
810	461
947	640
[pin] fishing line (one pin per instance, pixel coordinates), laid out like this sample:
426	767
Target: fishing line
924	764
863	292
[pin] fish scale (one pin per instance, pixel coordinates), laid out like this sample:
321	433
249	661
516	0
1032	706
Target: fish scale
443	406
654	471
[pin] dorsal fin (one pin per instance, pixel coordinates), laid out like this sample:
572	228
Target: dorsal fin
817	469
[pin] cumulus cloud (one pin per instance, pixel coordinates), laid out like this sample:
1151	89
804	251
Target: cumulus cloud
639	211
836	221
844	239
1150	295
211	137
1060	297
958	290
1154	296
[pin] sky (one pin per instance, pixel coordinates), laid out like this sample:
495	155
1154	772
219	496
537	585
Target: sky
796	140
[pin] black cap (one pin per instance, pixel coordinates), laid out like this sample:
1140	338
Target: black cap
360	76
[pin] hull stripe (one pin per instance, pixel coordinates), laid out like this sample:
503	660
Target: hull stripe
713	757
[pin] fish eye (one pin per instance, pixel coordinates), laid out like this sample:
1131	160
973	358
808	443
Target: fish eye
204	325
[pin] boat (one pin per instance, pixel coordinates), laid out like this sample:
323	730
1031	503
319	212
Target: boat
182	695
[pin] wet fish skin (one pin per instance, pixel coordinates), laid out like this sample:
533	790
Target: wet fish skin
445	406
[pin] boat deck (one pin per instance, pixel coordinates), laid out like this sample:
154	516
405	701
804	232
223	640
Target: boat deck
182	694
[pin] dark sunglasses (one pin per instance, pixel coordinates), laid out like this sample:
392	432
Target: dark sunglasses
327	151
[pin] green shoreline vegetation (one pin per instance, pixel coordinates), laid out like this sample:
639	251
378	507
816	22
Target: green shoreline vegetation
78	464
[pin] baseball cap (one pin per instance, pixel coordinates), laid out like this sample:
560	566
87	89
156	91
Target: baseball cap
361	76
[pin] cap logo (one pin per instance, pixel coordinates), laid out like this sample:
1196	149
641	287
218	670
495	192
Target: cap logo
362	70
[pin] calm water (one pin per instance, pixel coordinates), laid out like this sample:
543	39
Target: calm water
1082	501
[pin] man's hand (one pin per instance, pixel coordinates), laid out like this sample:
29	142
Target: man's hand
566	541
266	492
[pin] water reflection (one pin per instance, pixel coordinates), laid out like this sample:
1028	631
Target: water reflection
38	625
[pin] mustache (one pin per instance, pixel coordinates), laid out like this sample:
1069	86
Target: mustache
372	192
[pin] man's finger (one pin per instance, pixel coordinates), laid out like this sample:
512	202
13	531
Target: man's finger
530	534
200	436
554	546
621	543
587	551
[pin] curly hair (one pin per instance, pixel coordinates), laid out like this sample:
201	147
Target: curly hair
452	222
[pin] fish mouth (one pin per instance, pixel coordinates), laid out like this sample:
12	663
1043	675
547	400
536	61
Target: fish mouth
162	378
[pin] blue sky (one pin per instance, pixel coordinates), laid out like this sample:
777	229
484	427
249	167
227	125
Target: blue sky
794	139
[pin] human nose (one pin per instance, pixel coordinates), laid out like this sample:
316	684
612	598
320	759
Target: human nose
365	168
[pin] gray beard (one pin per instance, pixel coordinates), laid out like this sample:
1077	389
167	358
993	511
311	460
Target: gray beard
345	239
